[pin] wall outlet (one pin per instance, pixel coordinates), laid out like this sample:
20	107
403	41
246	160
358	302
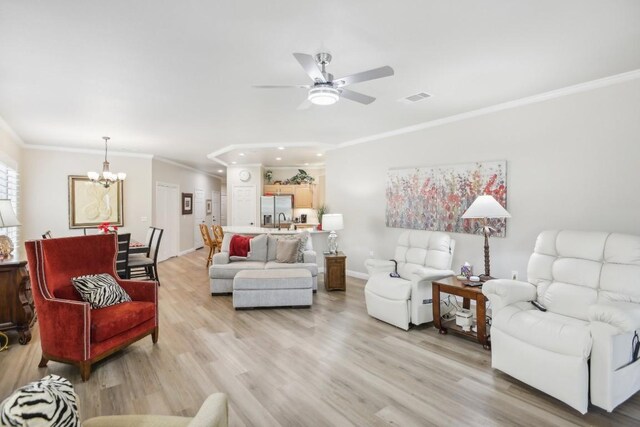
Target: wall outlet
514	275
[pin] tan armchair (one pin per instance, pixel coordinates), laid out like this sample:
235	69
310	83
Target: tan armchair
213	413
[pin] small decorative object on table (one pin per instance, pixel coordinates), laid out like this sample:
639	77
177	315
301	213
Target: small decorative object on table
105	228
466	270
7	219
323	209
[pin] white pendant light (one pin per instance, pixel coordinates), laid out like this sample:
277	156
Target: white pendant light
107	177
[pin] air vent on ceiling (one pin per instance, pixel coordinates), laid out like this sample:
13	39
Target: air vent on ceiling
416	97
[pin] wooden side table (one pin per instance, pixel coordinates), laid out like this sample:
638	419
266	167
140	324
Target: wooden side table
335	272
16	302
453	286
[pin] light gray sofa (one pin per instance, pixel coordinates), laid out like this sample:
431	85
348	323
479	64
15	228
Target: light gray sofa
224	267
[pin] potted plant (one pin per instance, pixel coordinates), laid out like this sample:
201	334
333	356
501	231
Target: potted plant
321	211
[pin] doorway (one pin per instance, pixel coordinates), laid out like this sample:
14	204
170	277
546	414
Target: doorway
199	216
216	208
167	217
243	205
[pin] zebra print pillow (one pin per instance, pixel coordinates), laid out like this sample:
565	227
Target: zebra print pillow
100	290
48	402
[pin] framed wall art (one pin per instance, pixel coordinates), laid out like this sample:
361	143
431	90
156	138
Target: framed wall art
90	204
187	203
435	197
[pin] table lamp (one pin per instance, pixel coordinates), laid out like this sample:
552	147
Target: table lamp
332	222
7	219
486	207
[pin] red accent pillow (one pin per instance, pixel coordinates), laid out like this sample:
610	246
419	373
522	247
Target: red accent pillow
239	245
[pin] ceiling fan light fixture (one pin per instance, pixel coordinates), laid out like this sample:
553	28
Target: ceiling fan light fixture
323	95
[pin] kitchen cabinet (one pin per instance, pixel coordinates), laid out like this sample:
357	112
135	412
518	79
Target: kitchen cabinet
303	197
277	189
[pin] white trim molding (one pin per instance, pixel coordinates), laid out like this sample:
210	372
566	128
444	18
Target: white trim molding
357	274
545	96
174	163
87	151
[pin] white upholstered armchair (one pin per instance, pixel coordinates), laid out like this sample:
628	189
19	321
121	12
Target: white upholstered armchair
422	256
589	282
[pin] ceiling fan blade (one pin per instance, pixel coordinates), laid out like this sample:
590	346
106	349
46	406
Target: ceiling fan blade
310	66
376	73
305	105
356	96
280	86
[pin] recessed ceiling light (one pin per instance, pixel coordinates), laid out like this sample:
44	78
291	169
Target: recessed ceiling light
233	163
220	171
319	154
280	148
241	154
278	158
306	164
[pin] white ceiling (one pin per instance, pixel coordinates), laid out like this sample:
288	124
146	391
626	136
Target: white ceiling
173	78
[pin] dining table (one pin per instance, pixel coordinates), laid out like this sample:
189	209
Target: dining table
136	247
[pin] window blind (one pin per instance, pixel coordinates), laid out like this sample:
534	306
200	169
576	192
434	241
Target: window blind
10	189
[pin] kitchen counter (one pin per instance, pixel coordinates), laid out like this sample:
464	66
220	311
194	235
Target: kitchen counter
260	230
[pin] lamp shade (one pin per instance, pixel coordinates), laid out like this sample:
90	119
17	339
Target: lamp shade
7	214
332	222
486	207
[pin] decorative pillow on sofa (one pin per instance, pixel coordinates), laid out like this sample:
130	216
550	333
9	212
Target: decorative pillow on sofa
287	250
100	290
273	241
48	402
239	245
258	248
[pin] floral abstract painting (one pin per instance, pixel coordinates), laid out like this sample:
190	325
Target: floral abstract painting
434	198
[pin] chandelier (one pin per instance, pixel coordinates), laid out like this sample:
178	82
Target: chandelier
107	177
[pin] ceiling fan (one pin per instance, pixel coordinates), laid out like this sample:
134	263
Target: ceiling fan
326	90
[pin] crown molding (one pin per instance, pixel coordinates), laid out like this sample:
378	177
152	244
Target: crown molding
309	166
181	165
545	96
5	127
87	151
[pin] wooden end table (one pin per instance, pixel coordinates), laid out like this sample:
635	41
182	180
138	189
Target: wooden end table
454	286
16	302
335	272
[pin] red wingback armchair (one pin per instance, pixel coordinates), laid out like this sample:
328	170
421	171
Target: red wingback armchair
70	331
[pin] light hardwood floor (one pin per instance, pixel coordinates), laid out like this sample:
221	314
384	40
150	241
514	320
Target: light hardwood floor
328	365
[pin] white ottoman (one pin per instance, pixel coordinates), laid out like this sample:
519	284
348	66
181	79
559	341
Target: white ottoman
272	288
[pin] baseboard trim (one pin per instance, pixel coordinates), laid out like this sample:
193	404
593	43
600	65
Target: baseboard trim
357	274
188	251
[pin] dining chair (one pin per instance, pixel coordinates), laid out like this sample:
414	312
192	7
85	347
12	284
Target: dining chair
141	266
122	260
47	234
218	235
208	241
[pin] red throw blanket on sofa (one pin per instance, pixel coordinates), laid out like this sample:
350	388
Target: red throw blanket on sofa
239	245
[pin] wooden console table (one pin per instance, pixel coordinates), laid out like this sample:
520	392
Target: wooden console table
335	272
453	286
16	302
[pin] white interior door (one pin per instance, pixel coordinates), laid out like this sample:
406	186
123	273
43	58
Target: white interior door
243	205
199	216
215	207
223	207
167	217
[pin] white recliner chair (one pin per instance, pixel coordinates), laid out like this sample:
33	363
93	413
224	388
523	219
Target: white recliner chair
589	282
422	256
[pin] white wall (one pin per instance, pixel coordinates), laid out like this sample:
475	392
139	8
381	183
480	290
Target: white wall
572	163
188	180
44	190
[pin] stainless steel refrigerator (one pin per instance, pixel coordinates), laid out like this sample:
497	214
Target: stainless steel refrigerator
272	206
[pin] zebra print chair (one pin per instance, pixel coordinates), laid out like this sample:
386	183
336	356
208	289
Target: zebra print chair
70	331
